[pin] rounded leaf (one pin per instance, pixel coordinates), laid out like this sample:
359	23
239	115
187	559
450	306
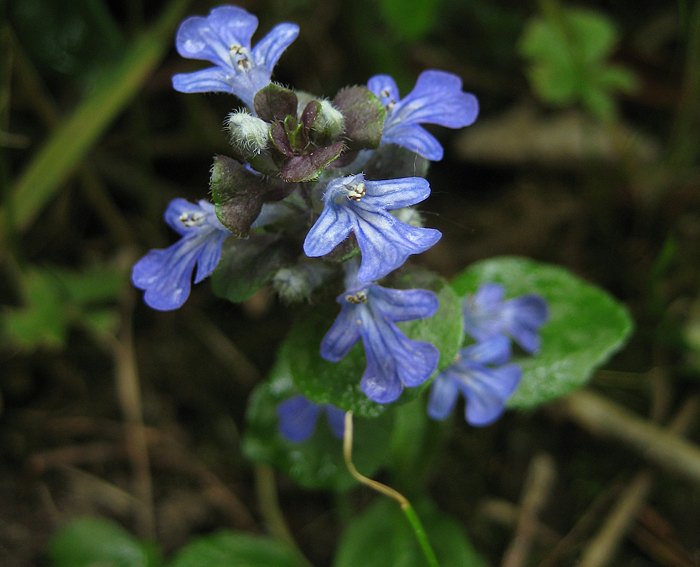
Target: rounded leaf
586	325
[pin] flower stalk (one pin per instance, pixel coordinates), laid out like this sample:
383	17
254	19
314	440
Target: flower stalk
404	503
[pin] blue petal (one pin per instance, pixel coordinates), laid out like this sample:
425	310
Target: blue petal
329	230
385	88
483	312
386	243
437	98
166	275
393	360
210	80
443	397
336	420
211	38
395	193
403	304
342	335
494	350
488	296
297	418
419	361
414	138
380	381
525	316
487	391
209	255
270	48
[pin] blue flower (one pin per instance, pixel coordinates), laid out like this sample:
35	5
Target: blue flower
486	314
437	98
393	360
480	377
223	37
166	274
298	417
352	204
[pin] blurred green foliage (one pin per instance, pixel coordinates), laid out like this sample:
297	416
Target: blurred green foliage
568	50
55	299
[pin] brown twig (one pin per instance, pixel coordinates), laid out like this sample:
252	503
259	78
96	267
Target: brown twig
663	448
602	548
535	494
129	394
506	513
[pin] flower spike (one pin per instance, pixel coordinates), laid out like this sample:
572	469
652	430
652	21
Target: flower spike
224	38
352	204
437	98
166	274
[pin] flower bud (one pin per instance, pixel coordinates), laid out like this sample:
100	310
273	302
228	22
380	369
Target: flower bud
294	284
248	134
329	122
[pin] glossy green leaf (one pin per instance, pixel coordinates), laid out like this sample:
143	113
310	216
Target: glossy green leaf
586	325
382	536
89	542
338	383
318	461
229	549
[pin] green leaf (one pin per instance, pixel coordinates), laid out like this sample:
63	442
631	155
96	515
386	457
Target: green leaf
445	329
55	298
592	33
410	19
247	265
382	536
317	462
338	383
230	549
586	325
95	284
568	52
90	542
43	320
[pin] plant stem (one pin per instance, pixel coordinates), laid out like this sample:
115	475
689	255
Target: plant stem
406	507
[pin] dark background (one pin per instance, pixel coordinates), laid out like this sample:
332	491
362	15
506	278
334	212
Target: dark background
625	219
